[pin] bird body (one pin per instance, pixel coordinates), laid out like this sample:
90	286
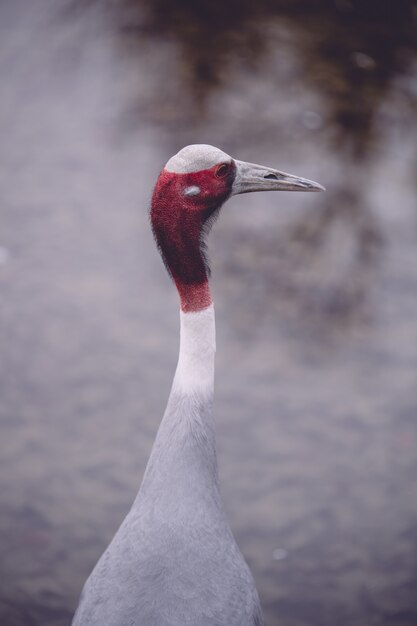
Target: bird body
174	560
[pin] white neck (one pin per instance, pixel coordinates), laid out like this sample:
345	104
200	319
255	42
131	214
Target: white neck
195	369
183	461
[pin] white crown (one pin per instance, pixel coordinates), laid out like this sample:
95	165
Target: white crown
195	158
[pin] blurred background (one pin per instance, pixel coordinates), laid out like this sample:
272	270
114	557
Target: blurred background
316	295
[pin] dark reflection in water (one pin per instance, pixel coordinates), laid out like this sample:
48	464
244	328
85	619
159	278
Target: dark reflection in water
316	296
351	50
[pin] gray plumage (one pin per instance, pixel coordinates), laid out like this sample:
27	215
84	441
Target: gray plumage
174	560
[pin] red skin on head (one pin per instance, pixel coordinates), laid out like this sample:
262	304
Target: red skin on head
179	223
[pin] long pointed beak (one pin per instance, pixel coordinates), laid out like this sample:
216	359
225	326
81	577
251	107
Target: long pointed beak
252	177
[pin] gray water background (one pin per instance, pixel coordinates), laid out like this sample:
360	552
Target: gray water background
316	295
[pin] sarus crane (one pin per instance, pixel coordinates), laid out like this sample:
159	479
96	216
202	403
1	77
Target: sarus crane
174	560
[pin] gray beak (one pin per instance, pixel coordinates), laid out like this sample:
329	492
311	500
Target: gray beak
251	177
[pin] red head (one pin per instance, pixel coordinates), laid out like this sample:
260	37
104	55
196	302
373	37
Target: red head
187	197
186	200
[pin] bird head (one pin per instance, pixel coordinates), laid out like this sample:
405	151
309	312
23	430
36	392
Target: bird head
188	195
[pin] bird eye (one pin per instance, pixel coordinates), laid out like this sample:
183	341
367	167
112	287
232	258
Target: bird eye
222	170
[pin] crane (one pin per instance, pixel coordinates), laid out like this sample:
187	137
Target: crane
174	560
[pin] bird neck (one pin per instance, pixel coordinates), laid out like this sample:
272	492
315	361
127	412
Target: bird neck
194	298
183	465
195	369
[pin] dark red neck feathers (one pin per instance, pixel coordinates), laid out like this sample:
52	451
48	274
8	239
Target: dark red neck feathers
183	209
